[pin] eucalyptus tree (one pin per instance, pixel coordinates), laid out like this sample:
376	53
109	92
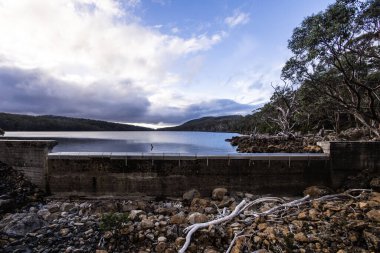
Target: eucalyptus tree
337	52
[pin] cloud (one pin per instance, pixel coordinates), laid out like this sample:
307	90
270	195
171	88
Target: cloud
238	18
214	107
89	58
34	92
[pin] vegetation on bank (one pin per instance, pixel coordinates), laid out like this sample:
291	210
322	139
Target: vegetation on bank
17	122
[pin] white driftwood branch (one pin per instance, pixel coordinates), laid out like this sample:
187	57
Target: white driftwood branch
191	230
237	236
244	205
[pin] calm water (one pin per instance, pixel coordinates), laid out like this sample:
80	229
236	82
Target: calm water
136	141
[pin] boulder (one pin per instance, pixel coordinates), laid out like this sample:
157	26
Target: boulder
189	195
135	214
317	191
20	224
375	184
197	218
219	193
146	223
374	215
179	218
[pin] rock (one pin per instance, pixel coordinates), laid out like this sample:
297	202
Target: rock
210	250
210	210
374	215
226	202
197	218
162	239
375	184
161	246
178	218
66	207
146	224
300	237
135	214
179	242
219	193
53	208
317	191
20	224
189	195
313	214
108	235
198	205
302	216
373	241
375	196
64	231
44	213
262	226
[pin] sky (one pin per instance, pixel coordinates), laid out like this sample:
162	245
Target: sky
150	62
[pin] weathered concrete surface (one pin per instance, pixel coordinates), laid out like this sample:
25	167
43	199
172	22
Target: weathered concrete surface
29	157
171	175
349	158
106	176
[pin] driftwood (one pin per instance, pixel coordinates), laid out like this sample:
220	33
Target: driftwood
281	208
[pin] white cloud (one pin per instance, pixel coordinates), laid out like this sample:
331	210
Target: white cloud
94	44
238	18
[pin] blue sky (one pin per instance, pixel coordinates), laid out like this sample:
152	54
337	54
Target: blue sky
158	62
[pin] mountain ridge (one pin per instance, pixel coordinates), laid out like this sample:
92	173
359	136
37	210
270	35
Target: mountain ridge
20	122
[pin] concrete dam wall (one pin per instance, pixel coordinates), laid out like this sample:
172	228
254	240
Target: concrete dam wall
121	174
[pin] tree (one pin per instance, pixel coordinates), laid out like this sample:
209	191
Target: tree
284	103
338	53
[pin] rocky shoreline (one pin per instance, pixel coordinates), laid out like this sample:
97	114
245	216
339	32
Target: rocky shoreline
348	223
341	225
262	143
273	144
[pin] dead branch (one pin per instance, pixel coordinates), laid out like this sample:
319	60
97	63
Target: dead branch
244	205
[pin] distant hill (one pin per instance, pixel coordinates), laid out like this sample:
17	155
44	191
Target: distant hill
229	123
18	122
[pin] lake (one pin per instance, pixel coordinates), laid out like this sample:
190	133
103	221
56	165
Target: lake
136	141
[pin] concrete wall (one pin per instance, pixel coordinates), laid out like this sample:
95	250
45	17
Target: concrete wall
171	175
29	157
349	158
85	175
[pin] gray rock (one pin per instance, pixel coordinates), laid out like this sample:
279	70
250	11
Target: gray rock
20	224
53	208
66	207
189	195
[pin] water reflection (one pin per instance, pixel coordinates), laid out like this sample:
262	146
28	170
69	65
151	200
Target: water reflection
163	142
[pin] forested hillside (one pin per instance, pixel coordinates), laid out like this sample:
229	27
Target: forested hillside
17	122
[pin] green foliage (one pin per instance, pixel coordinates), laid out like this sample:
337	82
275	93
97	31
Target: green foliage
337	54
113	221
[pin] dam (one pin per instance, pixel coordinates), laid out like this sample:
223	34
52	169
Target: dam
171	174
